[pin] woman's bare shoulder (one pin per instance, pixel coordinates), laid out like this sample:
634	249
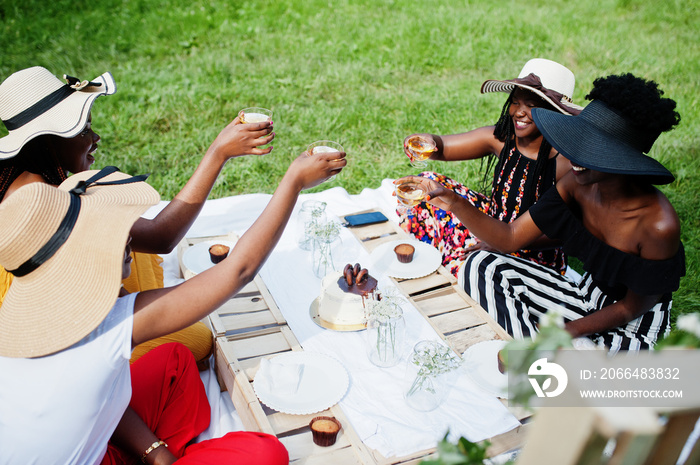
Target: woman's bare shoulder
663	230
22	180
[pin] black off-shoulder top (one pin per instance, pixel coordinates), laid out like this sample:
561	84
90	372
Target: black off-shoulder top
612	270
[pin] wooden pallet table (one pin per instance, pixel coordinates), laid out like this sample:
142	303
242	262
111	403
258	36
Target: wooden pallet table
250	327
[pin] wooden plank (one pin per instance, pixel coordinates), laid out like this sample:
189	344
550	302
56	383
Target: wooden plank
247	321
413	287
672	440
242	395
462	340
372	232
242	303
261	345
283	423
458	320
443	301
217	325
502	333
267	297
509	440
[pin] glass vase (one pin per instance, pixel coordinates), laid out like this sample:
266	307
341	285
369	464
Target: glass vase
430	374
322	256
385	338
312	213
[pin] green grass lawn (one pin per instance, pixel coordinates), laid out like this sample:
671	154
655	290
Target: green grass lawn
365	73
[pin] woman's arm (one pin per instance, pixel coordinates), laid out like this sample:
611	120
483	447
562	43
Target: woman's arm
505	237
164	232
163	311
616	315
133	435
465	146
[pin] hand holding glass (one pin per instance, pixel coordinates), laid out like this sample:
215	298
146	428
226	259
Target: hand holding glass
419	150
255	115
324	146
409	194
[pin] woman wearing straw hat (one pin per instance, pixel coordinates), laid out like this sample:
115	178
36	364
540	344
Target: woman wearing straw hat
51	135
605	211
67	385
526	166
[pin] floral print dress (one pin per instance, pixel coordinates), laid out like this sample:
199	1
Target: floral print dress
508	201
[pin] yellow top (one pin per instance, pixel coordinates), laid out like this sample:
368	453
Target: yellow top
147	274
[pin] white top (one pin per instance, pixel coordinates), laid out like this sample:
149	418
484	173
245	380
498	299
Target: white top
63	408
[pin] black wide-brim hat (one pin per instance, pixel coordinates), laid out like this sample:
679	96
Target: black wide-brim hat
600	139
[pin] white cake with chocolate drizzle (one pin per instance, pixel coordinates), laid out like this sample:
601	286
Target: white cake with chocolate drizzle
344	296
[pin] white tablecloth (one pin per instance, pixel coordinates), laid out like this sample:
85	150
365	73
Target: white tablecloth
374	403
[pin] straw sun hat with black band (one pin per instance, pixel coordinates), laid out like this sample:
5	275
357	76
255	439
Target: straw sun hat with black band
600	139
65	247
34	102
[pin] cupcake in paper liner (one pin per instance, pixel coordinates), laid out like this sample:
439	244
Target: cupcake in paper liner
324	430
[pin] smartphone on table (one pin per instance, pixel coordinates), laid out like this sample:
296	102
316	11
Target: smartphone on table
362	219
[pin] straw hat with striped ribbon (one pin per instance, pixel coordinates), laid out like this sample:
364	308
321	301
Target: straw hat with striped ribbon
546	78
65	246
34	102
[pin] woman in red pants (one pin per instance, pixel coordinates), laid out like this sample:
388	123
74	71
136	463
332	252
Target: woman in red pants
169	397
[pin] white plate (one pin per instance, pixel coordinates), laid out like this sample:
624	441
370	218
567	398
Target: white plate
481	364
323	383
196	258
426	260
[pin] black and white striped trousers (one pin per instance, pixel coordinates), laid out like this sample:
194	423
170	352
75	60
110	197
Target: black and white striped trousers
517	292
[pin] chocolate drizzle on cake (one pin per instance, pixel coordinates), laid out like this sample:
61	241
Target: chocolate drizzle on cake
357	281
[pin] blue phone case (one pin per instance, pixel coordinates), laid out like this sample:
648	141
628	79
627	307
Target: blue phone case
362	219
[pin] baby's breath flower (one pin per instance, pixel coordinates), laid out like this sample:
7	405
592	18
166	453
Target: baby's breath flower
327	232
385	309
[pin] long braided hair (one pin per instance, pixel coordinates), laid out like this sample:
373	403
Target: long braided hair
34	158
505	132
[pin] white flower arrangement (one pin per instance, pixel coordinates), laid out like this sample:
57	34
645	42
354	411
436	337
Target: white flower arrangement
323	231
432	360
385	309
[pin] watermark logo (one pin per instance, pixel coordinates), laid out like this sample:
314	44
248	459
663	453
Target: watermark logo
541	368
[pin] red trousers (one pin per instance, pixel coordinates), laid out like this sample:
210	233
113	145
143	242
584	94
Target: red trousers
168	395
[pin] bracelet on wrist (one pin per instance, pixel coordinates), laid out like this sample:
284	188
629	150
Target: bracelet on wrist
153	447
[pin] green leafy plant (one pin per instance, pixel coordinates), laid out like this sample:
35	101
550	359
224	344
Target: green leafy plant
464	452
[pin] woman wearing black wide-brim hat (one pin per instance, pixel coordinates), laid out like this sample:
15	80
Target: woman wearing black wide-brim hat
606	212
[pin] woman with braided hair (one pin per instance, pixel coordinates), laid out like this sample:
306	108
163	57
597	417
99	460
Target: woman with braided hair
526	165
